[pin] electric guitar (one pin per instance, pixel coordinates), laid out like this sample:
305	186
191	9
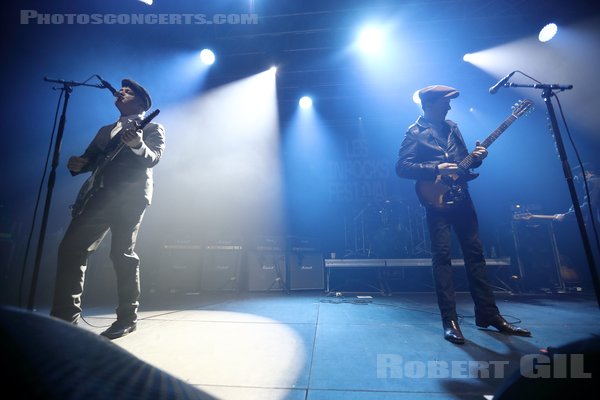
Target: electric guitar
447	191
526	216
94	182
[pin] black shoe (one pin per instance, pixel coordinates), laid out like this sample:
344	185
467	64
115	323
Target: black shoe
452	332
119	329
500	323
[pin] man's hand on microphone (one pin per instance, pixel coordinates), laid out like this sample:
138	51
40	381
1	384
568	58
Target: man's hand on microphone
133	138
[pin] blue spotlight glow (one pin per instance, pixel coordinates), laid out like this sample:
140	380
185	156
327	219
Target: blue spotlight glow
370	40
149	2
548	32
207	56
305	102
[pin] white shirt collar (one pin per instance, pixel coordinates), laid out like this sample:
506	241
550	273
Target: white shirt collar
127	118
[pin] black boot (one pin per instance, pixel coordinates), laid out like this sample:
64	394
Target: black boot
452	332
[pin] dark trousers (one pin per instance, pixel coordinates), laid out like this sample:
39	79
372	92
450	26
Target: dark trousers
83	236
463	219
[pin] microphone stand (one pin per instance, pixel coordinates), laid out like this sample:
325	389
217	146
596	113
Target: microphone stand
67	87
547	94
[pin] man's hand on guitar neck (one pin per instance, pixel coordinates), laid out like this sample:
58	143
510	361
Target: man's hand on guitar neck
479	152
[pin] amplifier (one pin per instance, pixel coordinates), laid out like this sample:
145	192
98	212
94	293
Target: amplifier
268	243
223	247
185	246
180	269
537	255
306	271
304	245
266	270
221	267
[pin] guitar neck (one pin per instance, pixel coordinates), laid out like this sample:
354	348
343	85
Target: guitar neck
117	145
115	142
470	159
540	216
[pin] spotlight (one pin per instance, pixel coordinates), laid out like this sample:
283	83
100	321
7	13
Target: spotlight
149	2
207	56
305	102
548	32
273	69
370	40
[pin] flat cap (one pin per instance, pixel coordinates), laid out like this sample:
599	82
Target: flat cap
139	92
434	92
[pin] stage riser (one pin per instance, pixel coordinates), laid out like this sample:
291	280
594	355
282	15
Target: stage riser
398	275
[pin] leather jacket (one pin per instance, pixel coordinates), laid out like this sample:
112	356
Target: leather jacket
421	152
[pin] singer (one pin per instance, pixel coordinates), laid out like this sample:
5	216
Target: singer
430	153
114	198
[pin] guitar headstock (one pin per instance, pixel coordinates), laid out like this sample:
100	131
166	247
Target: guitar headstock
522	215
522	107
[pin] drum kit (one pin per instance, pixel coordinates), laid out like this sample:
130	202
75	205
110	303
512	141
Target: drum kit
388	229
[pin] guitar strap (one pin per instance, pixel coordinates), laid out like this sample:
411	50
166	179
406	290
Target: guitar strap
112	147
113	142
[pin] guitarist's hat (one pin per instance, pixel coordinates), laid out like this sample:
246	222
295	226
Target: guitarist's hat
139	92
432	93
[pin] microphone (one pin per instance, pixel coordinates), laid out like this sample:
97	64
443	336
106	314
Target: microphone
501	83
109	87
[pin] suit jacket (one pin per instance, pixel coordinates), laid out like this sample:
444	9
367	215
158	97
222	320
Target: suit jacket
128	175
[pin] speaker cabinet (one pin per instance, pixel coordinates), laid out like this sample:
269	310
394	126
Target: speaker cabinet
537	255
221	268
180	269
266	270
306	271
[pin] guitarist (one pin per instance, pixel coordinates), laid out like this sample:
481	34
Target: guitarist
432	148
121	194
588	176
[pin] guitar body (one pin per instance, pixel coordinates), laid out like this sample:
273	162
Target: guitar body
444	192
87	190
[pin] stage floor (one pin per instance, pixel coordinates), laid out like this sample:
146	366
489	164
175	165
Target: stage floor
315	346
